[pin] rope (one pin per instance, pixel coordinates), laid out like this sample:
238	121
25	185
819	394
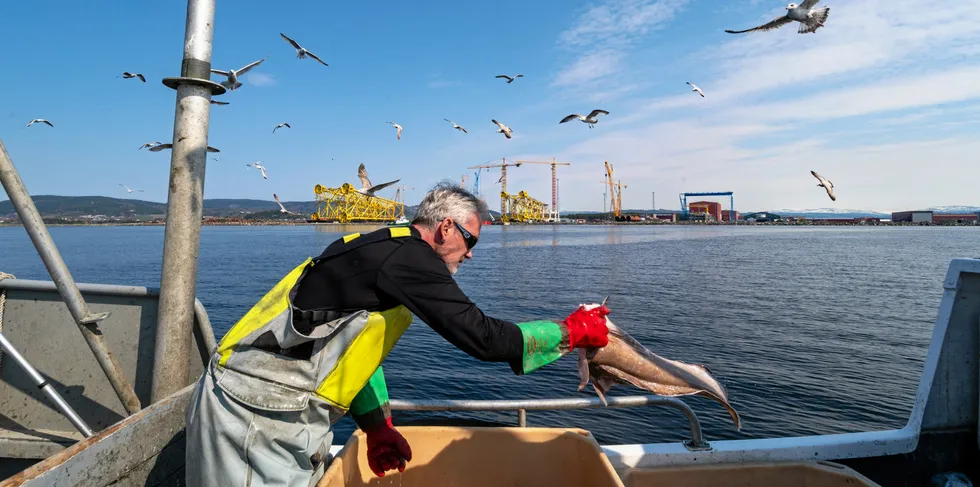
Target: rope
3	302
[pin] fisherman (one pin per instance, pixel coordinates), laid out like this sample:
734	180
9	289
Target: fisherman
311	349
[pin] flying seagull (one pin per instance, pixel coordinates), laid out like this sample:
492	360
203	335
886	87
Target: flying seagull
216	102
39	120
457	127
695	88
130	190
148	144
282	209
284	124
128	75
159	147
301	51
826	184
508	78
810	19
366	188
590	119
258	165
503	129
398	128
232	82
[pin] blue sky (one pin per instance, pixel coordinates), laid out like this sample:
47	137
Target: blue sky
884	101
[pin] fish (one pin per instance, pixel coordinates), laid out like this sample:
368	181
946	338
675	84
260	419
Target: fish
626	361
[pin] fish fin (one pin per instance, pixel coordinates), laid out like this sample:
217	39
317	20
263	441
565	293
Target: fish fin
724	402
604	300
602	384
583	369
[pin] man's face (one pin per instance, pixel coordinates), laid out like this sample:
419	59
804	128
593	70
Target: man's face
454	249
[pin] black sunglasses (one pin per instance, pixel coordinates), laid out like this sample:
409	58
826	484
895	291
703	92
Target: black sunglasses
470	239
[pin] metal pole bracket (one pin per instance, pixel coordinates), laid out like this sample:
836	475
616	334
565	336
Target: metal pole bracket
692	446
173	83
94	318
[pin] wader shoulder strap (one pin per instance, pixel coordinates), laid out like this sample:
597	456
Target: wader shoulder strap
356	240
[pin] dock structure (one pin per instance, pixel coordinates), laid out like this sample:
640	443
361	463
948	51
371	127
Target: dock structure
345	205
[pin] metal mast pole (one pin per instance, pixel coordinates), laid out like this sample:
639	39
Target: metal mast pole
503	187
178	280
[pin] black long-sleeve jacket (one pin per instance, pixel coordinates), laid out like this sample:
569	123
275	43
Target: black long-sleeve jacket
407	271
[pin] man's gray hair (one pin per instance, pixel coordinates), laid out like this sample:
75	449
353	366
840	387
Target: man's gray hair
448	200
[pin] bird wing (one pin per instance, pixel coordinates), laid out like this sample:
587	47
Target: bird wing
819	177
218	71
277	201
463	129
570	117
363	176
250	66
212	149
263	172
597	111
216	102
294	44
503	76
498	124
382	186
519	76
314	56
450	121
123	185
160	147
47	122
399	127
775	24
809	3
140	76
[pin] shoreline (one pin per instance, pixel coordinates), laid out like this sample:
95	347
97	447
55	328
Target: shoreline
239	223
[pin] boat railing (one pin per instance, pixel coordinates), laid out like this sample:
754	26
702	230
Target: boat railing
522	406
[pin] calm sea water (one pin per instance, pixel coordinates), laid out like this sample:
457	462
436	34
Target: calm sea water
813	330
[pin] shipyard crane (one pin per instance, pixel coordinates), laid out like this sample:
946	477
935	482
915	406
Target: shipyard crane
400	192
554	183
615	192
503	178
462	182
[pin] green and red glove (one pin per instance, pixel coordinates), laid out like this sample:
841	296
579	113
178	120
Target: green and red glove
587	327
386	448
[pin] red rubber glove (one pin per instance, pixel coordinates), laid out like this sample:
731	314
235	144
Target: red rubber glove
386	448
587	327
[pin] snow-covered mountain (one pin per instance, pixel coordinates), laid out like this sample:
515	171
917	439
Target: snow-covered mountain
831	213
954	209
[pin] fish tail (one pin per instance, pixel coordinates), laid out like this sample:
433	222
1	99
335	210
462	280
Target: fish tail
583	369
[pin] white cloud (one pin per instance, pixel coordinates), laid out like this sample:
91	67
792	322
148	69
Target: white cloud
881	100
602	36
262	79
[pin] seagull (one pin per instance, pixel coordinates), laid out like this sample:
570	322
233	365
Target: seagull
284	124
128	75
159	147
366	189
397	127
590	119
148	144
503	129
282	209
232	82
508	78
824	183
810	19
258	165
216	102
39	120
695	88
301	51
130	190
457	127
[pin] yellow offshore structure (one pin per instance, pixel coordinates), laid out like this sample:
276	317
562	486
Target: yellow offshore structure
522	208
345	204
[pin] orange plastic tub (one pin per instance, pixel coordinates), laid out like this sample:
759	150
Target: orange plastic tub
482	457
797	474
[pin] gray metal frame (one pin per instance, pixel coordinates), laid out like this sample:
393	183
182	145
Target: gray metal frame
695	443
88	322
